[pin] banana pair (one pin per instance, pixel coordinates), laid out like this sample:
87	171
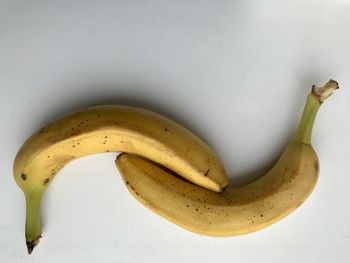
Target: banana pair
153	148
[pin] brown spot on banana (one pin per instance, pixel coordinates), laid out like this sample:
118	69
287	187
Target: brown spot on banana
316	165
46	181
257	205
145	132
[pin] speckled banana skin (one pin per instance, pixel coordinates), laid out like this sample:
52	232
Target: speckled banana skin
239	210
110	129
235	211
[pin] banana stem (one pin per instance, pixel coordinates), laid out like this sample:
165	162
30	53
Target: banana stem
313	103
304	131
33	220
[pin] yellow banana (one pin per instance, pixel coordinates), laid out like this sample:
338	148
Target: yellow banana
236	210
109	129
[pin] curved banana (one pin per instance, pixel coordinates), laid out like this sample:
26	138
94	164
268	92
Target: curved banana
236	210
109	129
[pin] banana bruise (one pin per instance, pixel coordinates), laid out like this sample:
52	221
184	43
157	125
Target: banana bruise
235	211
110	129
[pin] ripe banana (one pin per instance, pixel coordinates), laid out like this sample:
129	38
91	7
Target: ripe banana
110	129
236	210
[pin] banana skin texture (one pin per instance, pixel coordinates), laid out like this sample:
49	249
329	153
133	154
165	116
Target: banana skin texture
109	129
234	211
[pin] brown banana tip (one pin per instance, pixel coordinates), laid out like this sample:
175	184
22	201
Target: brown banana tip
322	93
32	244
334	82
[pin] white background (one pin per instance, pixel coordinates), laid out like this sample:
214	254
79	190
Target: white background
235	72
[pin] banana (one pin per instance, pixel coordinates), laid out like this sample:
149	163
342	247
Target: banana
109	129
239	210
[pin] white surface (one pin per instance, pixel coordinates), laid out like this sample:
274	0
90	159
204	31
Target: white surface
235	72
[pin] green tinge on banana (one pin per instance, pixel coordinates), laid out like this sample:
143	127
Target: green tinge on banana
157	139
239	210
110	129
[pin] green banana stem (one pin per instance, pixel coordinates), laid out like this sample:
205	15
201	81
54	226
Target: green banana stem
304	131
313	103
303	135
33	220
